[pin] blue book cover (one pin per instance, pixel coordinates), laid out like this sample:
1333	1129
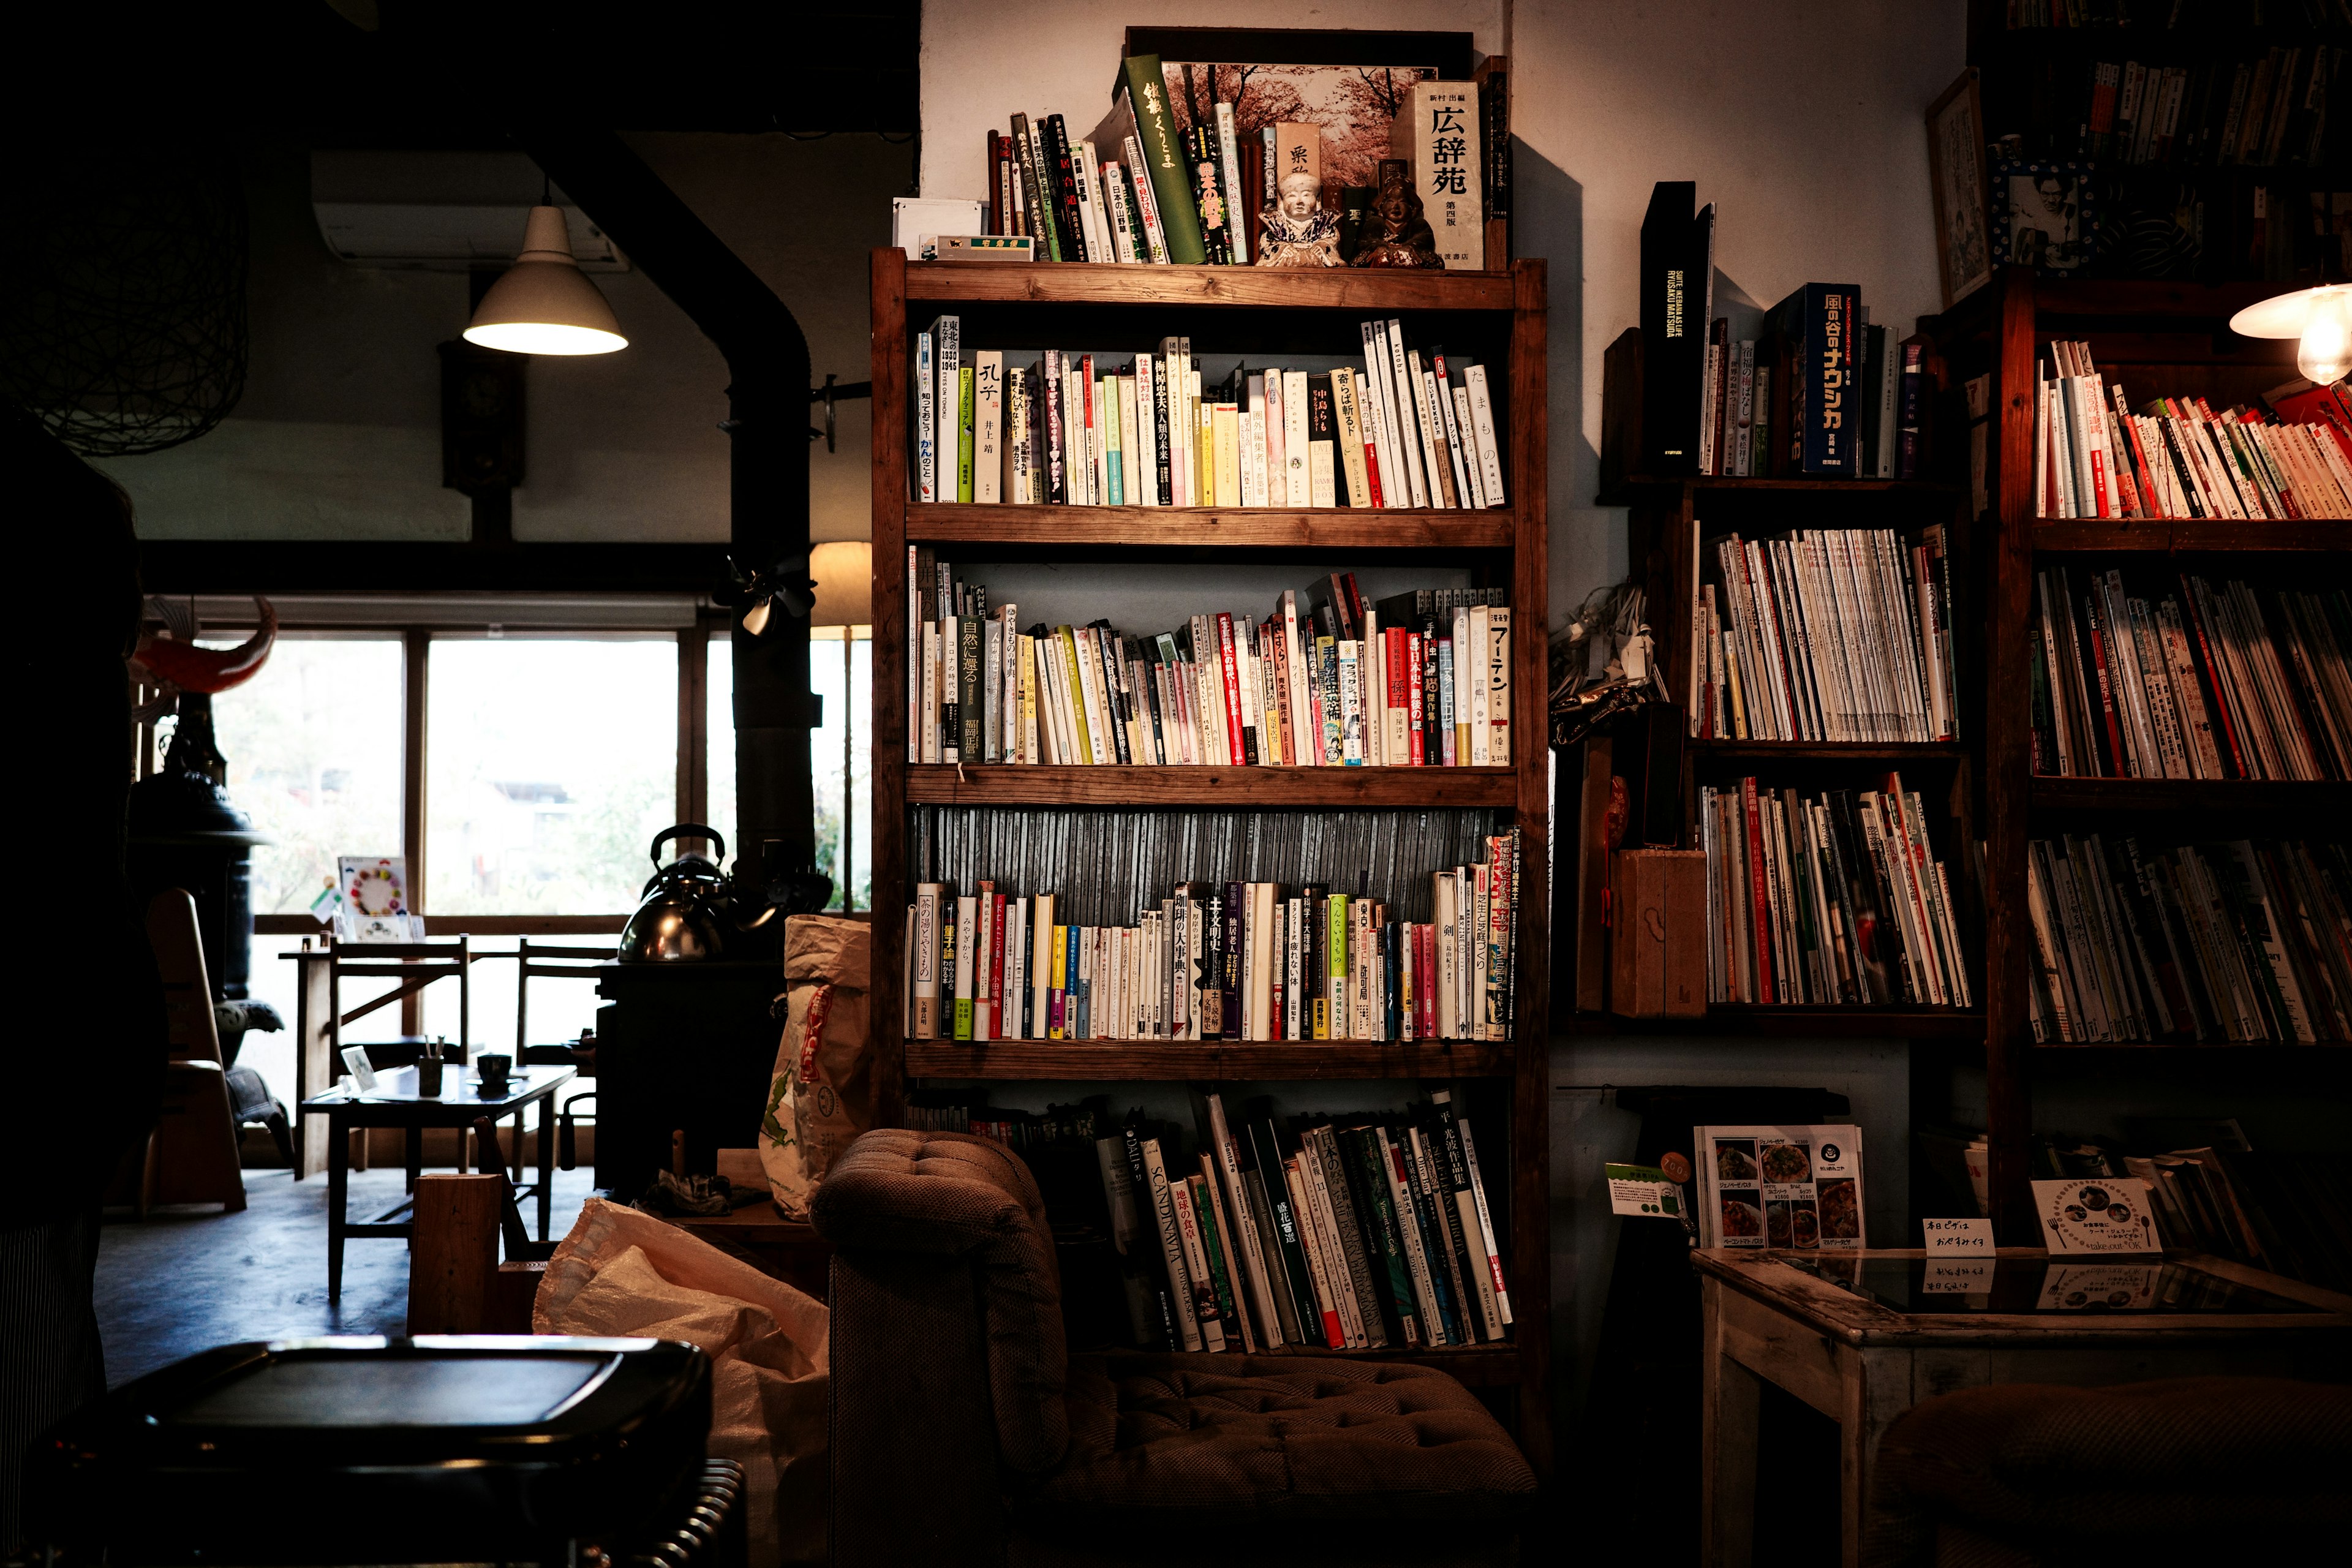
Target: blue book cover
1822	325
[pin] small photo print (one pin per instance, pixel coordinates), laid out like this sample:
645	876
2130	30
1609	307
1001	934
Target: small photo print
1734	1160
1787	1163
1742	1214
1841	1210
2044	216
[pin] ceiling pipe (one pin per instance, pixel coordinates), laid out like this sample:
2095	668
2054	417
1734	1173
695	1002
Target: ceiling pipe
768	397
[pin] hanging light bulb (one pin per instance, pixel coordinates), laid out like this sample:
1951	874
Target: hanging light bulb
2321	318
544	304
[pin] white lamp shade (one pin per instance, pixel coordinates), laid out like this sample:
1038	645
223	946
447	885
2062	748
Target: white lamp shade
544	304
2282	315
843	570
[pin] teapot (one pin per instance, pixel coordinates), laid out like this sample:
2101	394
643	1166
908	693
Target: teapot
687	910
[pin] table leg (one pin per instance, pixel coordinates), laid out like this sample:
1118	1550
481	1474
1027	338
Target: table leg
1729	1400
546	1163
514	1152
411	1139
339	1188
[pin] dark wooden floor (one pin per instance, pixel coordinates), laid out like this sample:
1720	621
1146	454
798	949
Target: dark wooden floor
186	1279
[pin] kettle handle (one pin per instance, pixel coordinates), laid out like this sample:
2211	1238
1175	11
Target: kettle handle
689	830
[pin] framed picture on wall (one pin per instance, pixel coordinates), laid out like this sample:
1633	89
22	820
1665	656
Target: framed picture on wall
2044	216
1955	167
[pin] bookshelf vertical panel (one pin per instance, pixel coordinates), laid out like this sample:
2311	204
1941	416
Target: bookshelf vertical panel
888	725
1531	760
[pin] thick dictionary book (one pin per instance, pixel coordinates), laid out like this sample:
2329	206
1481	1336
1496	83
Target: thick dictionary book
1677	268
1139	108
1819	325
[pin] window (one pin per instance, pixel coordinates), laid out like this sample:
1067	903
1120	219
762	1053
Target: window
550	763
841	672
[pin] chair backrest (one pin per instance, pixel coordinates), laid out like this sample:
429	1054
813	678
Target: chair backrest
949	1194
532	962
415	965
187	988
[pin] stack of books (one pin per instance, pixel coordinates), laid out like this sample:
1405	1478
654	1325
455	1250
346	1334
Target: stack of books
1234	960
1417	679
2177	458
1833	901
2202	684
1408	429
1358	1232
2236	941
1826	635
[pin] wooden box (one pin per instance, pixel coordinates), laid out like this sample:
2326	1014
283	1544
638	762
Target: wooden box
1657	933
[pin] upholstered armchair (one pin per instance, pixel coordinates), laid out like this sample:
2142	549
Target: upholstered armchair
964	1431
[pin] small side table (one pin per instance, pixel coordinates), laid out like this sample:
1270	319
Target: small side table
394	1102
1863	1337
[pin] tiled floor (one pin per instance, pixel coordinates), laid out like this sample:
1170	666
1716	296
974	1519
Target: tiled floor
186	1279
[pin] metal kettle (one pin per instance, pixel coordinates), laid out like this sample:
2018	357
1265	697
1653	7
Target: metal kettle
687	913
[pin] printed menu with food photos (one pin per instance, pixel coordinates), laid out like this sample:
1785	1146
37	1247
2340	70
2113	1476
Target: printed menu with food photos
1798	1188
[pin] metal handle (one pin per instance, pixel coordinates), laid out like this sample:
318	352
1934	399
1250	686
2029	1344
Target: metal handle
689	830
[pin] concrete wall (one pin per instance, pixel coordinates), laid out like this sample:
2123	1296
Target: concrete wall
337	435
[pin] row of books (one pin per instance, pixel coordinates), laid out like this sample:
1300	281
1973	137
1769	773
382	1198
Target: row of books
1356	1232
2286	1213
2244	940
2092	457
1756	394
1419	679
1826	635
2262	108
1237	961
1150	187
1833	902
2233	683
1072	429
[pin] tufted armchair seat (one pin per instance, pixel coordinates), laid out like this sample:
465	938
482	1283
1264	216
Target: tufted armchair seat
963	1431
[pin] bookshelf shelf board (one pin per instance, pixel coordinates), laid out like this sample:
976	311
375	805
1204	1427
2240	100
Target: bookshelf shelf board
1739	482
1082	283
2118	297
2297	799
1262	1062
1786	1022
1830	751
1130	528
2103	535
985	784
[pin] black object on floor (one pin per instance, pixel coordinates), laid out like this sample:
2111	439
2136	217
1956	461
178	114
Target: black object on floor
439	1450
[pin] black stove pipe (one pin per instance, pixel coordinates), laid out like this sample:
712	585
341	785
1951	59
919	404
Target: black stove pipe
767	395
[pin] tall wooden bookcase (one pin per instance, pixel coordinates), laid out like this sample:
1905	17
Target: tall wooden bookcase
2157	339
1498	317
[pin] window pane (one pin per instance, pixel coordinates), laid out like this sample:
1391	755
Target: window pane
719	725
313	750
848	704
559	1008
551	763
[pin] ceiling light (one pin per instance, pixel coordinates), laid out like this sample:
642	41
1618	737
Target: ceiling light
544	304
2321	318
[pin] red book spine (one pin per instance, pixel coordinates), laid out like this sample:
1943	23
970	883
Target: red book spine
1372	473
1425	943
1392	671
1417	742
1760	898
1229	666
996	971
2214	678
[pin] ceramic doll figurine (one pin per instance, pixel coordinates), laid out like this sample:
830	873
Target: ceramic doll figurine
1402	238
1295	231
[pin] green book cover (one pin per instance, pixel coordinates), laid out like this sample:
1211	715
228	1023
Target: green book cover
1145	84
1211	1244
966	409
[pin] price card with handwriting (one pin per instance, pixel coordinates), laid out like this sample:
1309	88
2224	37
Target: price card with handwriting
1959	1237
1971	1276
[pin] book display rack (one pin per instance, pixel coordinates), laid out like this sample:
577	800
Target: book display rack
1262	316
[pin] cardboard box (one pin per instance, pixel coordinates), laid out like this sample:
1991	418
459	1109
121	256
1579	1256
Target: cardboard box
1657	933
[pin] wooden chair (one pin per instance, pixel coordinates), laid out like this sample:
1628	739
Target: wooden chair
191	1156
546	963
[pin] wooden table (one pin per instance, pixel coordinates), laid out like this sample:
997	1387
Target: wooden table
394	1102
1865	1358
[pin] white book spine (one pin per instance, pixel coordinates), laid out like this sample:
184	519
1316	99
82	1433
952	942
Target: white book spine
988	450
926	462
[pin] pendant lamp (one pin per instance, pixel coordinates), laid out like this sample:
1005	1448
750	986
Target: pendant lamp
2321	317
544	304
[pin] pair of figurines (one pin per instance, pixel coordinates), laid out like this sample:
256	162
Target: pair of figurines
1297	232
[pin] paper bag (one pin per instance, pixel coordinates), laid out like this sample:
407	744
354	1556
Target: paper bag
822	1096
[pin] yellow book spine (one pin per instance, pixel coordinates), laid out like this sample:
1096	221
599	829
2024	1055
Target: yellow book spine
1066	643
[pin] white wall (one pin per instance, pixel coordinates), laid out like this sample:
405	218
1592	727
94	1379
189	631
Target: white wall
337	434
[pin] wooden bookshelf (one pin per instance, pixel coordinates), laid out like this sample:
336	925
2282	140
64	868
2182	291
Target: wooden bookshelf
2160	339
1264	315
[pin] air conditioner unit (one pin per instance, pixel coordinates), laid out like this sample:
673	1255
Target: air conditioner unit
440	212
